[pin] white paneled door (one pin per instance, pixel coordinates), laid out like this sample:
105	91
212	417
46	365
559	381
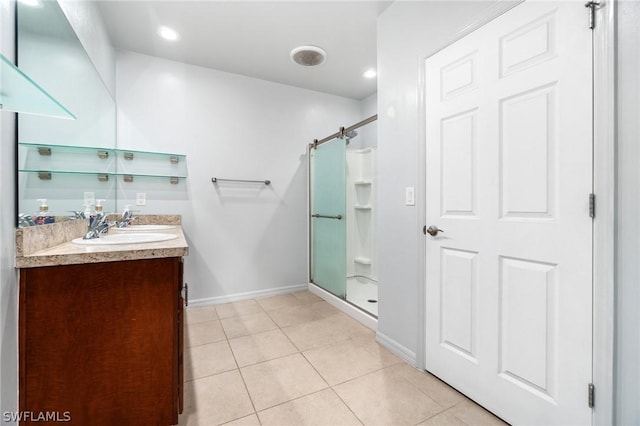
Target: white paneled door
509	173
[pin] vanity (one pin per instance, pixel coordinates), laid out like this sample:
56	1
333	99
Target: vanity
100	327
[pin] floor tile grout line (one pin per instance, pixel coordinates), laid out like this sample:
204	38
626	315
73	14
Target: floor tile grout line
268	360
246	388
347	405
204	344
315	369
444	411
293	399
285	333
209	375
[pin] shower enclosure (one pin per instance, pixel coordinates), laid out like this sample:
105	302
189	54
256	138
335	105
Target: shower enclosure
342	206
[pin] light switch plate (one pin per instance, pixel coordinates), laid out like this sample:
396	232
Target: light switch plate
141	199
410	196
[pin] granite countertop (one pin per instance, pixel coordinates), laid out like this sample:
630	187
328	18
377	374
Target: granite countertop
50	245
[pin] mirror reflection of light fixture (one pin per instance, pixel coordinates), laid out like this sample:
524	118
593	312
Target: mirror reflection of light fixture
32	3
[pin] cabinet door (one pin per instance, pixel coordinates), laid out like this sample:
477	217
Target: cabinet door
98	341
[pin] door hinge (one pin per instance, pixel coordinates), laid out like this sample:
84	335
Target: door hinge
592	205
592	5
592	395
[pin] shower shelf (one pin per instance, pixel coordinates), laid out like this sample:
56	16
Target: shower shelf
362	207
362	260
362	182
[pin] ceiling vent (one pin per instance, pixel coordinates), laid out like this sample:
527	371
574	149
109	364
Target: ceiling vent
308	56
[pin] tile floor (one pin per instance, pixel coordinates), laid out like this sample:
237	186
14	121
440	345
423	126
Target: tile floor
296	360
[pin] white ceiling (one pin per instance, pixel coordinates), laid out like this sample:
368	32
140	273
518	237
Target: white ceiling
254	38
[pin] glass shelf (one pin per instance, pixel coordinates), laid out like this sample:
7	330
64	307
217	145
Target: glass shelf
124	152
130	163
121	152
147	175
19	93
99	174
48	149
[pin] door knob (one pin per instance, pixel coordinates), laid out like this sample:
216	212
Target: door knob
433	230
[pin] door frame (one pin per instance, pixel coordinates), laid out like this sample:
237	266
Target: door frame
603	186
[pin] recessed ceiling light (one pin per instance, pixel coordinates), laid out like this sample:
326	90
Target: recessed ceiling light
370	73
168	33
308	56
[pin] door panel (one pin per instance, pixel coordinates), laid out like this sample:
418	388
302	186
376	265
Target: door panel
458	289
509	172
458	147
528	323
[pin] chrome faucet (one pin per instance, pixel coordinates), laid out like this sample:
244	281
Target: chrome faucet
77	215
25	220
126	219
98	225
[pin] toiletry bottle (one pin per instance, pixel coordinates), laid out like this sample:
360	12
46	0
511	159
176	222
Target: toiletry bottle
99	207
43	216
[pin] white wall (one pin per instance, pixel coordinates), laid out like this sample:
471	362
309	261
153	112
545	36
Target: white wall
627	375
367	134
245	237
86	21
8	281
408	32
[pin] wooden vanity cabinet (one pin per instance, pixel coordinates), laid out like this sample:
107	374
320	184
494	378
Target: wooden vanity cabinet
103	342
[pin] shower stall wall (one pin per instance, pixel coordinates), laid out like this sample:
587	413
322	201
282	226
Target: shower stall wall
342	227
362	268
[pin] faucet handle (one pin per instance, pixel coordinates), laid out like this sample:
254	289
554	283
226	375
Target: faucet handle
77	214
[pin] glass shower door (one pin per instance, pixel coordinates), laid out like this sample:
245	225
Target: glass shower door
328	217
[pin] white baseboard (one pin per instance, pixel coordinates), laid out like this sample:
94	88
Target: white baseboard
247	295
395	347
355	313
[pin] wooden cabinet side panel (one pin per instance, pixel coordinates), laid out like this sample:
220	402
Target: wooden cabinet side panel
180	341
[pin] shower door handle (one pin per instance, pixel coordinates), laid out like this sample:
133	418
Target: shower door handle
327	217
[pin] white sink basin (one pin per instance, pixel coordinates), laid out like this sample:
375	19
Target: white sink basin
126	238
144	228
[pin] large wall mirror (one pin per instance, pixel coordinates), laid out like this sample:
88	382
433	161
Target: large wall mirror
63	161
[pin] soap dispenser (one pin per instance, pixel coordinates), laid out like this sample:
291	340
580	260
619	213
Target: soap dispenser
99	207
43	216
